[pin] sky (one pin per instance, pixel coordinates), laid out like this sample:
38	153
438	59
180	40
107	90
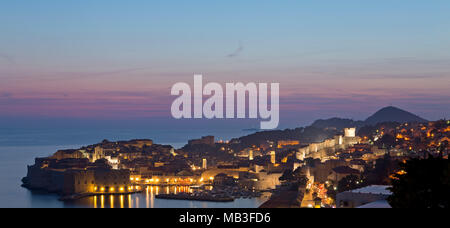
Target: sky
117	60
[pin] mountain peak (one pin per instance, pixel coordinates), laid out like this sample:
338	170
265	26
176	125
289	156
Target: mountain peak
393	114
391	108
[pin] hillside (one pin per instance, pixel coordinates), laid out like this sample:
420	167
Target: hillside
336	123
388	114
322	129
393	114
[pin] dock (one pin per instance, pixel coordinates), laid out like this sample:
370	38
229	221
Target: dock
195	198
84	195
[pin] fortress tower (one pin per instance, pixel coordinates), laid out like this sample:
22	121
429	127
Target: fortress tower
350	132
273	157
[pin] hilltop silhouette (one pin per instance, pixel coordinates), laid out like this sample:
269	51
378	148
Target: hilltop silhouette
387	114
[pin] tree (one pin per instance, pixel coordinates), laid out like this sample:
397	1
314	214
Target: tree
331	192
349	183
297	176
383	169
388	140
287	175
422	183
442	148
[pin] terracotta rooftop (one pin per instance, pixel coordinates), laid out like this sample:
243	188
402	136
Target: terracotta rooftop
345	170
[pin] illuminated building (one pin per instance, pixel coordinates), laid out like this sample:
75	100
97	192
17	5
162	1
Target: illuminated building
350	132
273	157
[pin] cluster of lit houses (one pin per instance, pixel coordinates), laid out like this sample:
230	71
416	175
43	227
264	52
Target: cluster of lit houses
418	138
130	166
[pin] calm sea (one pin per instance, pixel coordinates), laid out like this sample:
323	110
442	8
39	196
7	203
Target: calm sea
19	147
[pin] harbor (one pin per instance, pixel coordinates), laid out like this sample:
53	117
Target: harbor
193	197
84	195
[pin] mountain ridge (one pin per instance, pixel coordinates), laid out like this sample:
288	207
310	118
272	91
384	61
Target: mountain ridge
393	114
386	114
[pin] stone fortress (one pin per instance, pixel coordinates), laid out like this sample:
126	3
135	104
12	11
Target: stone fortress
75	176
327	148
88	170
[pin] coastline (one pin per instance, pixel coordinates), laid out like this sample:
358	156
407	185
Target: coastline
15	158
195	198
84	195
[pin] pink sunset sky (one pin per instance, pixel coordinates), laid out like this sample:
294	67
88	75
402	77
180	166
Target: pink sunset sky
119	62
353	90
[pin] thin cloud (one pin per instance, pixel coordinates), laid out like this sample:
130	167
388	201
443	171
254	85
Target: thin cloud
5	95
408	76
237	52
80	75
107	73
7	58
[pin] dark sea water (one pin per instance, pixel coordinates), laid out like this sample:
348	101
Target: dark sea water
19	147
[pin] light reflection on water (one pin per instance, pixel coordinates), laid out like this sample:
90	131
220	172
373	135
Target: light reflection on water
147	199
13	166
